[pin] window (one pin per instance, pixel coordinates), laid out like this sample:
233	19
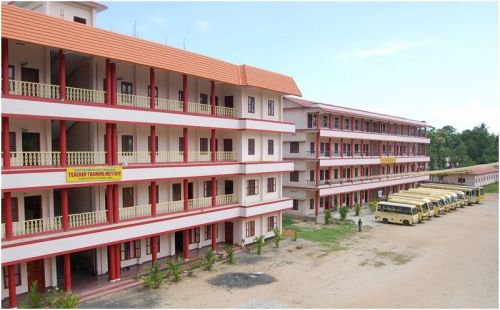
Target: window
181	95
12	141
127	143
208	232
294	176
311	175
17	275
347	123
207	188
336	122
176	192
271	222
311	204
15	212
252	187
203	144
203	98
271	185
461	180
356	148
251	104
311	120
325	120
251	146
194	235
127	197
12	72
149	143
356	124
250	229
80	20
270	147
156	91
131	250
294	147
157	194
270	107
127	88
295	204
336	148
181	144
148	245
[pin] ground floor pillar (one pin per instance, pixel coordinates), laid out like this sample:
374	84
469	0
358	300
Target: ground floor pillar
12	287
185	244
67	272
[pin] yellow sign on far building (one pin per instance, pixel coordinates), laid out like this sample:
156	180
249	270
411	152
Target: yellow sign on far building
384	160
91	174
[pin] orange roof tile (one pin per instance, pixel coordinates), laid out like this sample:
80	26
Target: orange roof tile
27	26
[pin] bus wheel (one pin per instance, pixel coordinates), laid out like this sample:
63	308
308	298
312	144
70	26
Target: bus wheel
405	222
385	220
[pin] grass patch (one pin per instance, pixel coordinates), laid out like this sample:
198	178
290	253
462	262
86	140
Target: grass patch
328	235
287	222
491	188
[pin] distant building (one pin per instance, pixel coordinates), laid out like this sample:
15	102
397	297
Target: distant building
479	175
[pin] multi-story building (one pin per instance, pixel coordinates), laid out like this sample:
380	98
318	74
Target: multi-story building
478	175
84	184
345	156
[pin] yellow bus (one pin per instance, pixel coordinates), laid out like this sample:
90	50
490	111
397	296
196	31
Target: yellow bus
457	197
474	193
400	213
436	203
422	210
443	206
450	198
428	204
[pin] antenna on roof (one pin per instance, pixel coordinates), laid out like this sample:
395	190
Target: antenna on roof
184	43
135	29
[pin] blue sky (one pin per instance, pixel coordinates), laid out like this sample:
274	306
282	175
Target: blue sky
436	62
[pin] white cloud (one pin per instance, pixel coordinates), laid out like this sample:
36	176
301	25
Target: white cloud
202	26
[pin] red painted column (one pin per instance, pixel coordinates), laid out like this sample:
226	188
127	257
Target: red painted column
362	125
330	124
316	204
12	287
62	143
186	144
153	144
64	209
330	147
62	75
214	237
5	67
341	122
152	93
116	214
212	145
185	243
114	144
67	272
154	249
109	151
185	92
111	262
318	122
118	264
362	148
317	173
330	176
341	147
212	97
352	123
214	191
153	198
7	201
186	196
108	82
379	148
109	203
317	145
341	174
5	143
352	147
113	84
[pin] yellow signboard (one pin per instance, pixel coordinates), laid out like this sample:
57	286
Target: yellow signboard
387	160
91	174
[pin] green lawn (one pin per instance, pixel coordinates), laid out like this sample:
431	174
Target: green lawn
491	188
325	234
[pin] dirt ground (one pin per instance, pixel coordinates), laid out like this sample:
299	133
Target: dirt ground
447	262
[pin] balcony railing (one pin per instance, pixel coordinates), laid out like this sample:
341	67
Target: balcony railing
135	211
169	105
169	156
86	158
366	178
225	156
224	111
199	203
199	108
30	89
36	226
85	95
132	101
88	218
226	199
27	159
169	207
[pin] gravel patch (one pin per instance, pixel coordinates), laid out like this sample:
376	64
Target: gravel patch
250	259
241	280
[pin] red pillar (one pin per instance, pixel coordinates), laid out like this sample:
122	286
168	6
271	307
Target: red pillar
111	262
185	243
5	143
116	214
62	142
212	97
330	147
114	145
317	144
352	147
185	92
64	208
214	191
362	148
67	272
108	82
330	125
317	174
153	198
341	147
12	287
352	123
62	75
154	249
317	121
212	145
152	93
316	204
118	261
109	203
186	144
109	151
5	67
153	144
341	122
7	201
113	84
186	196
214	237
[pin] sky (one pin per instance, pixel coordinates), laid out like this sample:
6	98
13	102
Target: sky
430	61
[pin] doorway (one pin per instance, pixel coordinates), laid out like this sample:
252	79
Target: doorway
32	207
178	242
228	145
36	272
228	232
190	190
228	187
31	143
229	101
29	75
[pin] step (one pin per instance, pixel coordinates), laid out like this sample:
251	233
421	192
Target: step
111	288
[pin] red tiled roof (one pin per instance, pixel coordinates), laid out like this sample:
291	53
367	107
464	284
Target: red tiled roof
482	169
27	26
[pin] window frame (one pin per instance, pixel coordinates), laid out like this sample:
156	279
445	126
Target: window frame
270	147
148	245
251	146
17	276
270	107
292	176
127	143
250	229
251	104
252	187
292	147
271	185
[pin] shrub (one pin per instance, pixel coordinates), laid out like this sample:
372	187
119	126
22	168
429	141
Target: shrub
62	300
174	267
155	278
357	209
328	216
343	212
373	205
35	298
210	259
278	236
229	252
260	244
295	235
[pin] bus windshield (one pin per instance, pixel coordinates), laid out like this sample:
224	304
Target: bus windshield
413	211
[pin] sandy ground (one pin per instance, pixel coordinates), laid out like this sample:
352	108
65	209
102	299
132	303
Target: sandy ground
448	262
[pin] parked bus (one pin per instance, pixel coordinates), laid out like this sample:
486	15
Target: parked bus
457	196
435	203
443	202
474	193
422	209
428	204
400	213
450	197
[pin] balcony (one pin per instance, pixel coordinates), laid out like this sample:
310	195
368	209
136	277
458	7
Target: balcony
39	90
372	178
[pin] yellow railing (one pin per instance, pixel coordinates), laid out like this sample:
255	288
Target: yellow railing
135	211
134	157
87	218
133	101
169	105
31	89
223	111
169	206
86	158
85	95
226	199
223	156
169	156
34	158
37	226
200	156
199	108
199	203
